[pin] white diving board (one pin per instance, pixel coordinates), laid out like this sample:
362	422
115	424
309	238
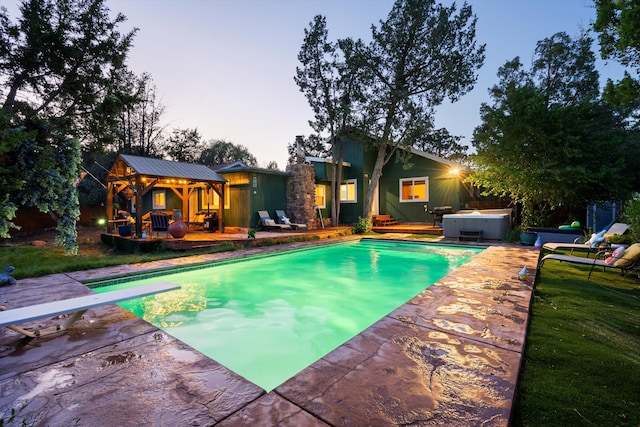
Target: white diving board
78	306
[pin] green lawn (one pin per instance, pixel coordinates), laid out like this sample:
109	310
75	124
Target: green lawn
582	358
34	261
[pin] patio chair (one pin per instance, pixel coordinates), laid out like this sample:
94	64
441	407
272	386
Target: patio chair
284	219
159	222
595	243
196	222
78	306
625	260
267	223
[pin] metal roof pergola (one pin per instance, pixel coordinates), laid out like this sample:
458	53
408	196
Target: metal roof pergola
139	175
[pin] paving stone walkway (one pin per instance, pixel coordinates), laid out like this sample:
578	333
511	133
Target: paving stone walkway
450	356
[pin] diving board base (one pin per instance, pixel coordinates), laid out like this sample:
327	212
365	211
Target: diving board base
78	306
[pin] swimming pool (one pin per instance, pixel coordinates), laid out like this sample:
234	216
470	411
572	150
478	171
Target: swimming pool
268	317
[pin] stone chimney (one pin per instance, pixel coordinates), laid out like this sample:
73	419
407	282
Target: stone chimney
299	149
301	195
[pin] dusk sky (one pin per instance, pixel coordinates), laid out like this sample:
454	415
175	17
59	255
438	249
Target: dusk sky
226	67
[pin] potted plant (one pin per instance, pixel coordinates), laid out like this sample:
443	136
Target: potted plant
531	217
528	237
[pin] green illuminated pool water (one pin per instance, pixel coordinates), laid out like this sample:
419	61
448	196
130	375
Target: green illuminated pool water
267	318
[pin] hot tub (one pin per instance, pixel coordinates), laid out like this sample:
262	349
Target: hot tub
493	226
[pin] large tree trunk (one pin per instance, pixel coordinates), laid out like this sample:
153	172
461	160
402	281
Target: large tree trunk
337	148
375	178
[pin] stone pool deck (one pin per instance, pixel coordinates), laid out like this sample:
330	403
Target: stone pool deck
450	356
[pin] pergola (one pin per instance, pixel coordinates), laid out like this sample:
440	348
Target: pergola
136	176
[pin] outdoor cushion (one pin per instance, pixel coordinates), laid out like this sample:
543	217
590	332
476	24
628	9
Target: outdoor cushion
269	222
629	256
595	239
284	220
615	255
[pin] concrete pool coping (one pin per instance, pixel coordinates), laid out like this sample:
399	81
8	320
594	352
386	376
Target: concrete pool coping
449	356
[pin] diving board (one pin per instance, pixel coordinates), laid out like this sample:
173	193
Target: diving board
78	306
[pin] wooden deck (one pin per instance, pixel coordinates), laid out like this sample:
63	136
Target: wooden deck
421	228
197	239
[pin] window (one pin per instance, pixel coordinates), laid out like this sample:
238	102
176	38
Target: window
414	189
213	199
321	199
159	199
349	191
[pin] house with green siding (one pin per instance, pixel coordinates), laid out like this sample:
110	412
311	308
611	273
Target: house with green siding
406	192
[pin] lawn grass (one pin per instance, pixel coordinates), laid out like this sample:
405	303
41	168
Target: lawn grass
582	358
34	261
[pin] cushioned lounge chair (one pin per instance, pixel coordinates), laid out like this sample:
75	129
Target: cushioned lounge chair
284	219
589	246
267	223
628	261
196	222
78	306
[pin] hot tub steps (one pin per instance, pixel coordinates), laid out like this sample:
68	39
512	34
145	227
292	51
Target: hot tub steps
470	234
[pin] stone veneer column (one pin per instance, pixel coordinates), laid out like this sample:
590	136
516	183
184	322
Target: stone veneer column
301	195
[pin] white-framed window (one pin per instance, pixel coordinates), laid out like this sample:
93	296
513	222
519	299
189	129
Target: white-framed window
321	196
159	199
211	199
349	191
414	189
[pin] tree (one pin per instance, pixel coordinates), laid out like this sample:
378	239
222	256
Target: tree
312	145
56	64
219	152
272	165
329	85
184	145
548	140
565	69
441	143
139	130
423	53
59	57
618	25
10	178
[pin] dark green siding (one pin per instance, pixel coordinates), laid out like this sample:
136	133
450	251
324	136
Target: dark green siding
443	189
271	194
355	155
252	191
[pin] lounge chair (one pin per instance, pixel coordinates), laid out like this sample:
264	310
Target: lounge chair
159	222
78	306
284	219
596	242
196	222
267	223
628	260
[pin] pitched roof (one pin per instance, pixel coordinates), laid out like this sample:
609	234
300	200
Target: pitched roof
159	167
434	157
225	167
